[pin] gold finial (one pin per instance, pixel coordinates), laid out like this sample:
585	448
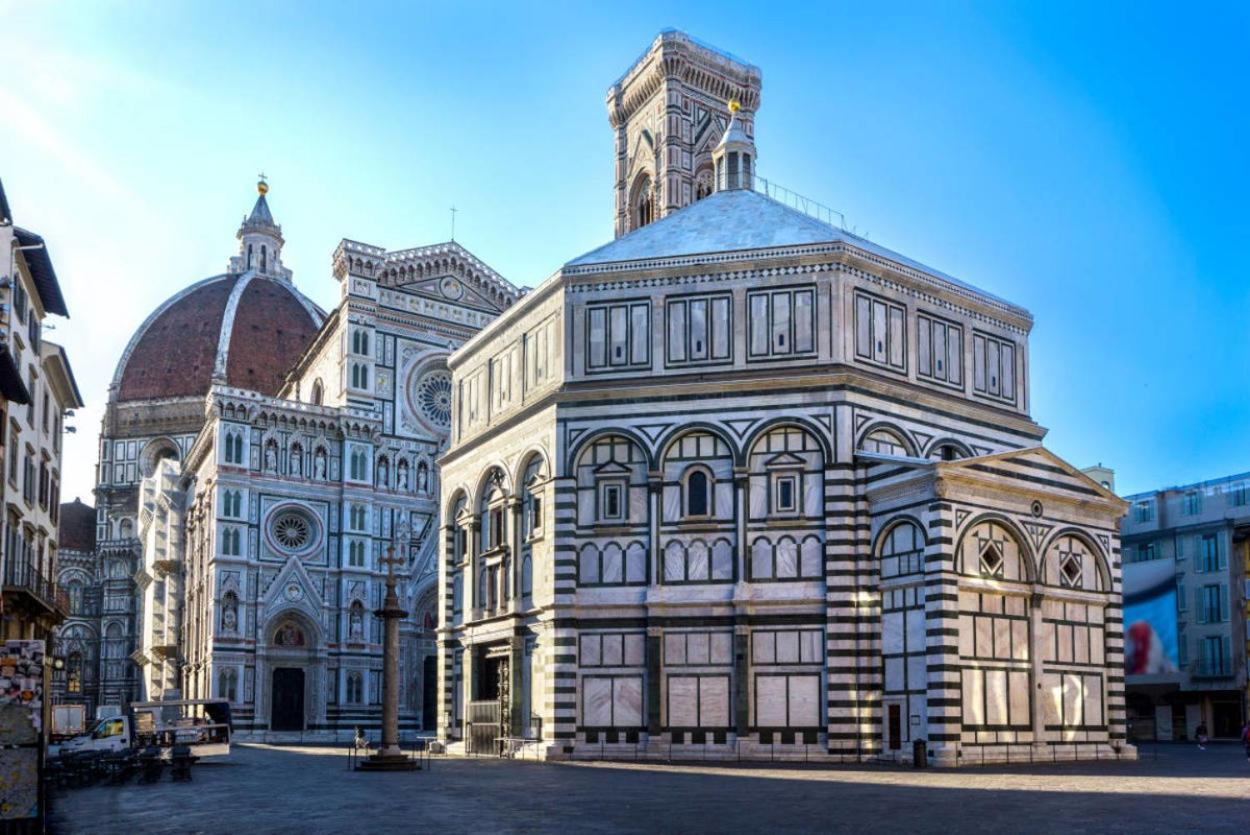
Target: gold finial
262	187
734	105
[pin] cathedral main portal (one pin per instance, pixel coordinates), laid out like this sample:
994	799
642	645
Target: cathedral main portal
288	699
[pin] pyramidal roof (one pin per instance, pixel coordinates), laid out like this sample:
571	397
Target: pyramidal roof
260	215
737	220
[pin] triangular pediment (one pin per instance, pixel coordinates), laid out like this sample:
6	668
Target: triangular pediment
612	468
1037	463
292	588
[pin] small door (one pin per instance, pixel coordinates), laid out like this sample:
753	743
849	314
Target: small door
429	693
894	727
287	707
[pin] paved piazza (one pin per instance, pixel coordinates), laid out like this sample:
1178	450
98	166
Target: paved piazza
309	790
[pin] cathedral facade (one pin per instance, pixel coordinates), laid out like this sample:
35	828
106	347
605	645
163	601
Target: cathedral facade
742	484
258	456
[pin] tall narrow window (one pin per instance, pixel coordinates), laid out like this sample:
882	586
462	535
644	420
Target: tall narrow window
697	494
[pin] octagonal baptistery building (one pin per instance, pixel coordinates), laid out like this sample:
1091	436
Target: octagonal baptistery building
245	328
743	484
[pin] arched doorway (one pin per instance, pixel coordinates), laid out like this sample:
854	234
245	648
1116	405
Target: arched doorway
429	693
293	664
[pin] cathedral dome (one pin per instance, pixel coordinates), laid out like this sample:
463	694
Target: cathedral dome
239	329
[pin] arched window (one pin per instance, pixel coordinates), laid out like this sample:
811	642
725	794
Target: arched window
492	513
902	551
643	206
355	688
74	589
698	493
264	258
360	376
249	256
527	576
359	465
228	684
360	342
356	554
885	442
703	184
318	393
947	451
73	673
126	528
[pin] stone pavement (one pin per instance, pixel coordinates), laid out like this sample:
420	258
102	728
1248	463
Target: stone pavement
308	790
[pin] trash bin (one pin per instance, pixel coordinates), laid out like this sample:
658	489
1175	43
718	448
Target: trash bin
919	754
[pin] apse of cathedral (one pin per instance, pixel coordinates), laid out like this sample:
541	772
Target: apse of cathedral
257	456
742	484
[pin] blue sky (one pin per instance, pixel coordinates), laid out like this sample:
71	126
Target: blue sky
1087	161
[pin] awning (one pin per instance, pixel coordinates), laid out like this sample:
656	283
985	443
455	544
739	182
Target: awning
41	270
11	385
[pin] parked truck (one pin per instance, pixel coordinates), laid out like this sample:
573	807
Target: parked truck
202	725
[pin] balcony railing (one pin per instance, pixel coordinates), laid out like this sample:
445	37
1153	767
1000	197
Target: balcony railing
22	575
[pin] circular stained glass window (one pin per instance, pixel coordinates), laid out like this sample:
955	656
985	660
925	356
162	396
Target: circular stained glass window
292	530
433	396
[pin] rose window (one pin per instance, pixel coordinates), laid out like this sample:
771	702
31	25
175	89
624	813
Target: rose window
433	396
292	531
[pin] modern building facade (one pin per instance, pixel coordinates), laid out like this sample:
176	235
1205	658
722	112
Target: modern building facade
1197	538
741	483
39	391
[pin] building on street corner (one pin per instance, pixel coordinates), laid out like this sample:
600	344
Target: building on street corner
39	391
1187	622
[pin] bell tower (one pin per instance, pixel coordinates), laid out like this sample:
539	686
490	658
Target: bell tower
668	111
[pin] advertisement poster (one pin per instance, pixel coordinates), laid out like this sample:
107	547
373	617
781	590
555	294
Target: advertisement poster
1150	632
21	724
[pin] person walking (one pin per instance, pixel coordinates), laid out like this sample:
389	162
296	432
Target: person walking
1201	732
1245	739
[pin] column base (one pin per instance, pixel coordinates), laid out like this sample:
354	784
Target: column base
388	762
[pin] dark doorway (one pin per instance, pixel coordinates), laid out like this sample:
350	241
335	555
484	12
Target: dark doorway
287	712
488	679
429	692
895	728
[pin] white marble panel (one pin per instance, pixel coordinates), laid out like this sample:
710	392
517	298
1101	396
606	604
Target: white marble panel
985	634
672	503
787	647
638	511
1080	635
1020	640
721	648
1018	689
805	701
894	675
590	645
683	701
1002	638
635	650
1064	634
917	671
635	563
697	648
770	701
714	701
1096	639
675	648
812	556
967	636
613	569
811	647
892	632
763	648
628	701
1093	700
1052	698
996	697
722	560
674	562
613	651
787	558
1047	639
758	498
813	494
973	698
597	702
1073	699
697	561
915	630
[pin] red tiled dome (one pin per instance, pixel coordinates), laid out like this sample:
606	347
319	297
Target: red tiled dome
267	324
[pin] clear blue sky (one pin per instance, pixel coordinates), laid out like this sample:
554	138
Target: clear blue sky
1086	160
